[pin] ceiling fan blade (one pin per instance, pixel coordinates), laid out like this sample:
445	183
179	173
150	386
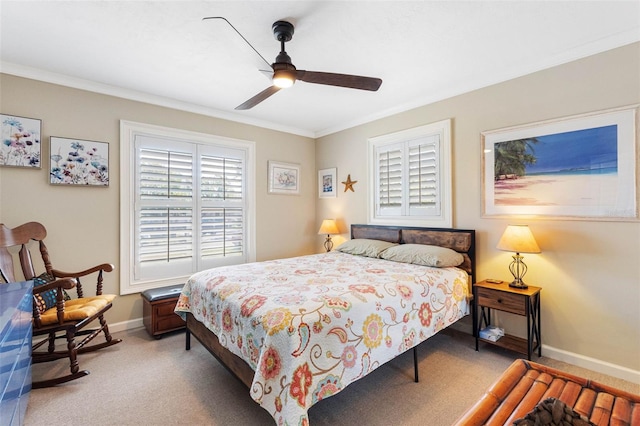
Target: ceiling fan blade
235	29
267	73
258	98
342	80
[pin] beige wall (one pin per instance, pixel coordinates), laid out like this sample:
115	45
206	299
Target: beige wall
589	270
83	223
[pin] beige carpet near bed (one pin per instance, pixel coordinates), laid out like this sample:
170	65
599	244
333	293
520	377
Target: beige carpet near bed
143	381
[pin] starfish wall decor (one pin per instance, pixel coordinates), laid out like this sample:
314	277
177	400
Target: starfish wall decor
348	184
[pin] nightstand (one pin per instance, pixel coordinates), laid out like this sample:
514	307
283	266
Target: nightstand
501	297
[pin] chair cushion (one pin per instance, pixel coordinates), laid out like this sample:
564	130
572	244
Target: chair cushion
77	309
46	299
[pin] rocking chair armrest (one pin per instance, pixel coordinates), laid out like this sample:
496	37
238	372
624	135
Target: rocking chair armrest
106	267
58	285
65	283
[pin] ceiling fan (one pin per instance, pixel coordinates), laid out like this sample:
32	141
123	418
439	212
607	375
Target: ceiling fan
285	73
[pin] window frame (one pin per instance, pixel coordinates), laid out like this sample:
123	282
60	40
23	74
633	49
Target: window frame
443	218
128	179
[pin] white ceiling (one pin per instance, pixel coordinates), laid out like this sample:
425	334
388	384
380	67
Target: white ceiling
424	51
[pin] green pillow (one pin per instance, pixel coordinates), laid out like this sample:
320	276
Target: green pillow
364	247
427	255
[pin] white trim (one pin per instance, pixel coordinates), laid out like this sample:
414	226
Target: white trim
593	364
105	89
128	130
445	218
611	42
126	325
595	47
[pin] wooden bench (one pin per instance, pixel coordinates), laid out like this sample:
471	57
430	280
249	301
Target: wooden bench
525	384
157	310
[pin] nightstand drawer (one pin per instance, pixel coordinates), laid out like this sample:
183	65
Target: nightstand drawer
508	302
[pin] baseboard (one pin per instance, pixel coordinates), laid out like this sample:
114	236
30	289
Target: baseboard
592	364
126	325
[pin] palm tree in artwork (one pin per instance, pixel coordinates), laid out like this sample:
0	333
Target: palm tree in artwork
512	157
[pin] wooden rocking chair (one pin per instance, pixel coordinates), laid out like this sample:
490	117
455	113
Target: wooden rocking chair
55	314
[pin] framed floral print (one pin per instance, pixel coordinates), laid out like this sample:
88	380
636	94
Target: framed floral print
78	162
20	145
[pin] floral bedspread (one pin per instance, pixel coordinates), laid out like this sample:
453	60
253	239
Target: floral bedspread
309	326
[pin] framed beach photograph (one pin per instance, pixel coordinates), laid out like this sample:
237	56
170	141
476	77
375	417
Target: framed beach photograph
580	167
78	162
284	178
20	145
327	183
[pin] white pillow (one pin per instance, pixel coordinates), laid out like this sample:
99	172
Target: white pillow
419	254
365	247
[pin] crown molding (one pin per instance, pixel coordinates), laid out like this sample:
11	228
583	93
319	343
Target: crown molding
119	92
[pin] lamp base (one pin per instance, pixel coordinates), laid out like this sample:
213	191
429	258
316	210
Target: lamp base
518	284
328	244
518	269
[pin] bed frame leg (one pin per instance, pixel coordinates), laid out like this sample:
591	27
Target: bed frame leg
415	363
187	340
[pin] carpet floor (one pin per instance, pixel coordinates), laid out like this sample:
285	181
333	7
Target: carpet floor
144	381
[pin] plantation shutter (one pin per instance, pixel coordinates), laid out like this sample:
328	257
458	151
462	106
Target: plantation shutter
410	171
164	208
423	181
407	177
190	207
222	215
389	182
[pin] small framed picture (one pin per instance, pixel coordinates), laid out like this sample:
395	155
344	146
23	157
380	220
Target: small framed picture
78	162
327	183
20	145
284	178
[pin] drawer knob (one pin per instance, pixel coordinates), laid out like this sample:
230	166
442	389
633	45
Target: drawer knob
499	300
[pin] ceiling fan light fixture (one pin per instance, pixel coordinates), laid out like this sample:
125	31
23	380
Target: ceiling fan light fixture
285	73
284	78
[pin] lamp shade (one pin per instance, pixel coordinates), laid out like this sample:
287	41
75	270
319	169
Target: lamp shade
519	239
328	227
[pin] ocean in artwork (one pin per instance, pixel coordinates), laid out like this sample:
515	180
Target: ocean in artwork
577	168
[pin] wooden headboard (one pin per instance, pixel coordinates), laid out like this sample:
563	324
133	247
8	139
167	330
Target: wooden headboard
461	240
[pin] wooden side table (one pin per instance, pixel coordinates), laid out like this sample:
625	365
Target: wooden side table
501	297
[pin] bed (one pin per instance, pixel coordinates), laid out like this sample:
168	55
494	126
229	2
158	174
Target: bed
298	330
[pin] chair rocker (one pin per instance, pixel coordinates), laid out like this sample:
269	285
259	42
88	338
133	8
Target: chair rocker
55	314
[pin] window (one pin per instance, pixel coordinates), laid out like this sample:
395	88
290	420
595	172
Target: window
185	204
411	176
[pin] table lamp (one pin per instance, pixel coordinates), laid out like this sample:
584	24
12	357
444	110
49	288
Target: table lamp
518	239
328	227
